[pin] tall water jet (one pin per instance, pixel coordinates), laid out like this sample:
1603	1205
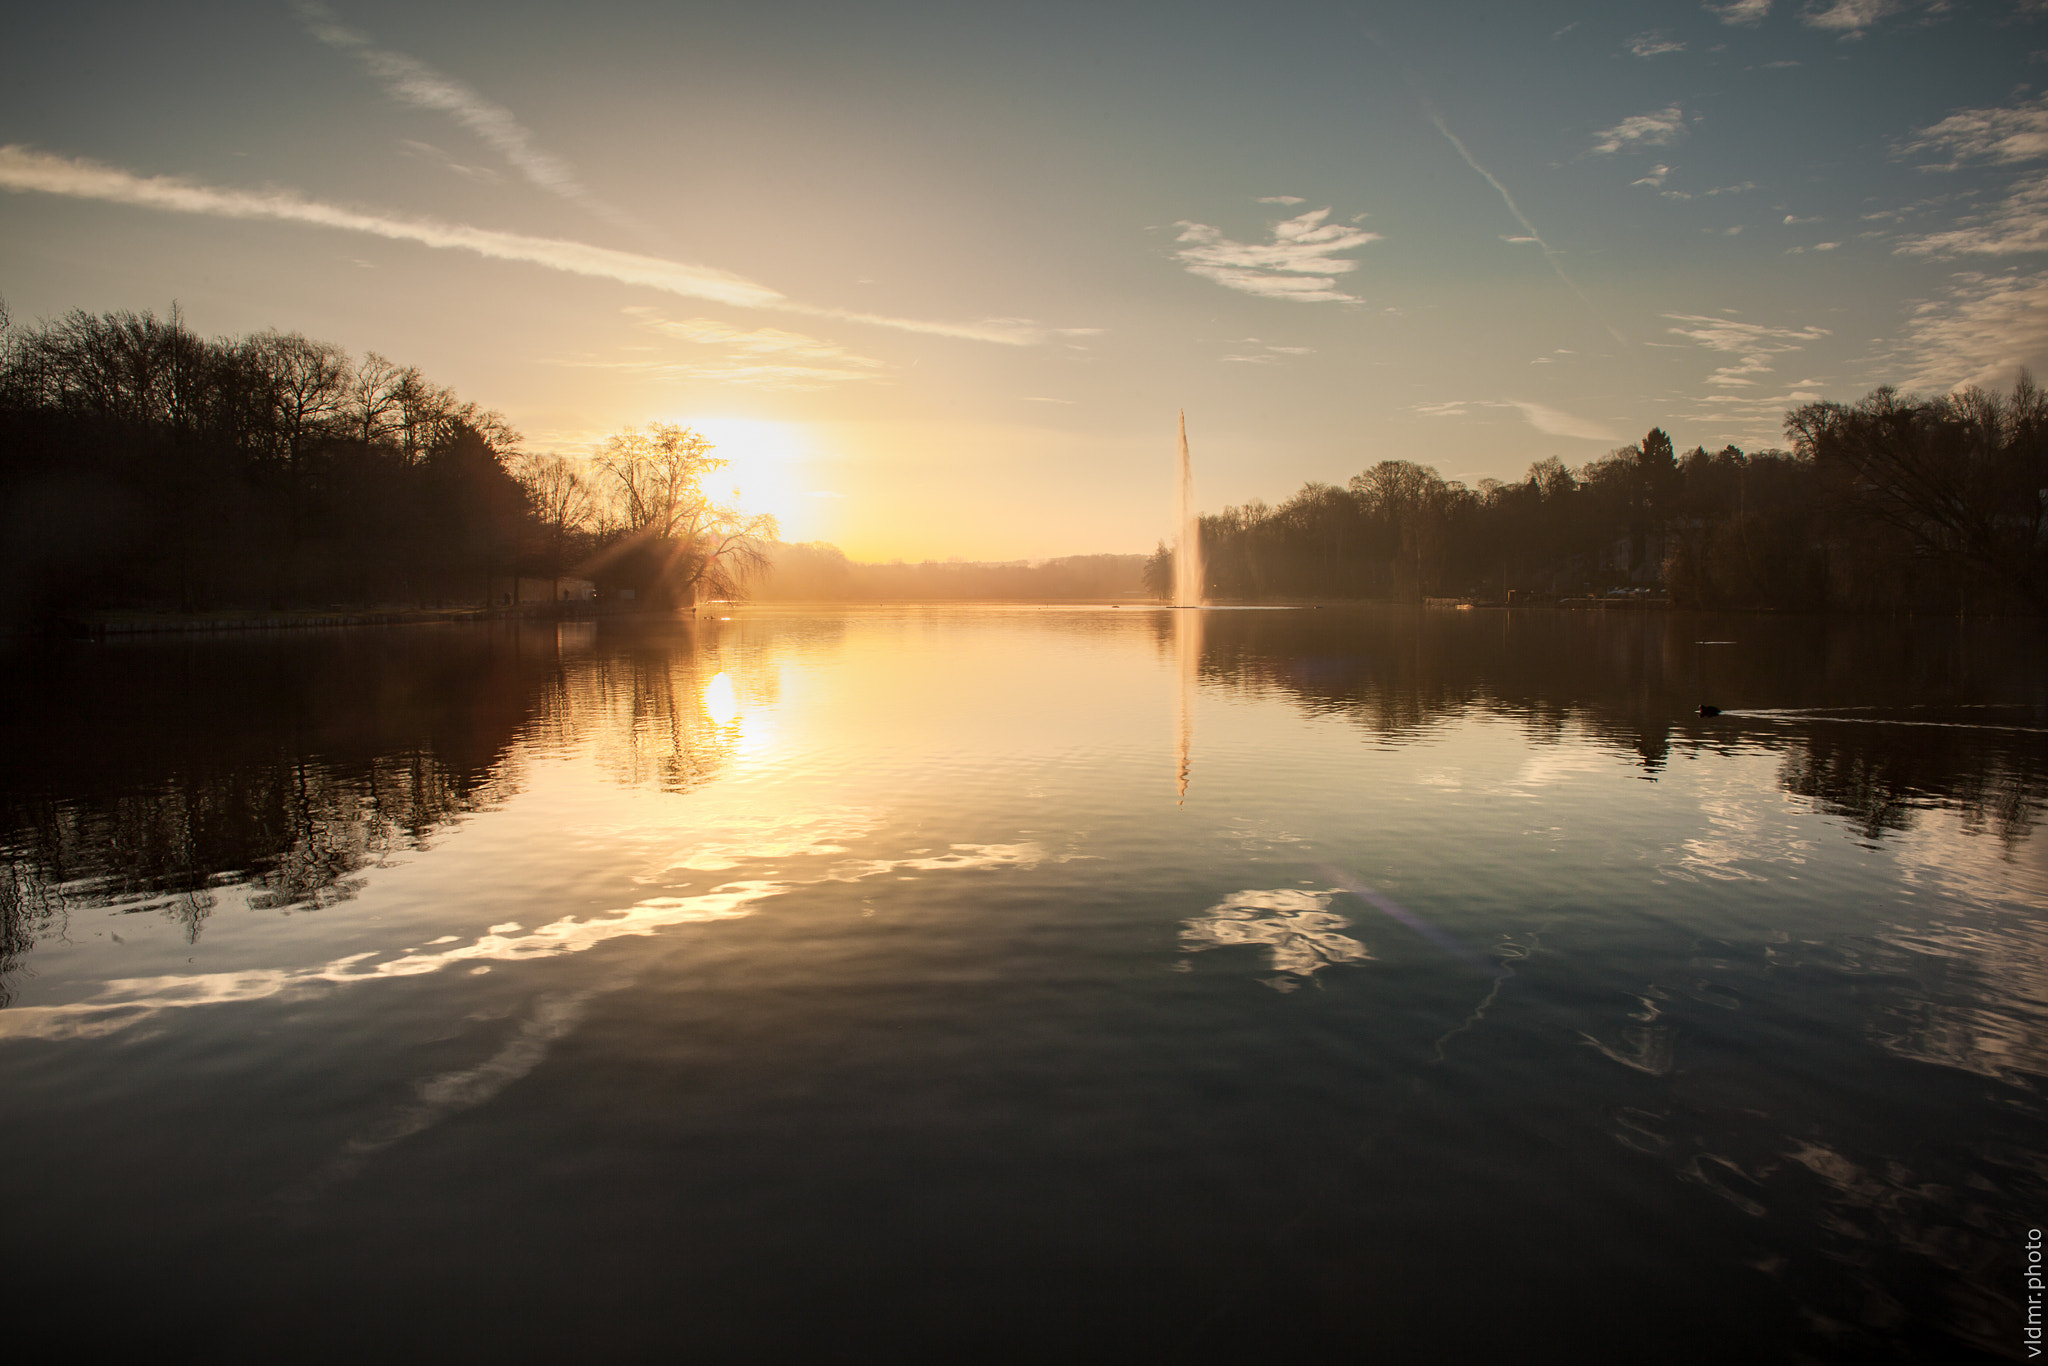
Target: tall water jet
1187	558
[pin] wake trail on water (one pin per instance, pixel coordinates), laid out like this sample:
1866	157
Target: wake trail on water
1832	714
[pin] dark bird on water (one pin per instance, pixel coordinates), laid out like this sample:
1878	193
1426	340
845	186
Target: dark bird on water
1709	709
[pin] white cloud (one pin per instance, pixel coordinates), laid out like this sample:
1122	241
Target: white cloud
1727	334
1298	263
1983	330
1658	129
2016	225
1288	199
1656	178
1654	44
1849	17
427	151
766	356
1737	376
1741	11
1266	353
1550	421
1553	422
2004	136
23	169
413	82
1753	343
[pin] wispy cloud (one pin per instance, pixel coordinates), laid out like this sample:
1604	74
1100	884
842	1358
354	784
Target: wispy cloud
1658	129
1730	334
1753	343
1284	199
2017	225
2007	136
1751	417
1550	421
1252	351
1849	17
1656	178
765	357
427	151
24	169
1741	187
1983	329
1653	44
1741	12
1299	263
412	82
1556	422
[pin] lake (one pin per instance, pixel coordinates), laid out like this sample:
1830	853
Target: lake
1024	982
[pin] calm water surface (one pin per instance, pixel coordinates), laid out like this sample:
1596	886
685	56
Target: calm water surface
1014	983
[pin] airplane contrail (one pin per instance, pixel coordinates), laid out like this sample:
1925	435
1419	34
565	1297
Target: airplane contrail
1549	255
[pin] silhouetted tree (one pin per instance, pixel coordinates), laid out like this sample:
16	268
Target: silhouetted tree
563	505
1960	480
675	541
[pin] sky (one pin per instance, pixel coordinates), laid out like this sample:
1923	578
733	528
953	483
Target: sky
939	277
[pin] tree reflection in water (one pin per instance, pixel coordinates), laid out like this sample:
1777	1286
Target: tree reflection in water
1877	719
155	776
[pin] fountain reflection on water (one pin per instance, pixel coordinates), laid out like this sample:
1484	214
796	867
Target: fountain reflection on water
1187	649
1187	592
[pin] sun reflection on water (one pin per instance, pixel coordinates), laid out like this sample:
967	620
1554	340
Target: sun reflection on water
720	702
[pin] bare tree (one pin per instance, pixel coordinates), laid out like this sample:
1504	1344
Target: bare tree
309	384
1963	477
563	503
698	545
373	399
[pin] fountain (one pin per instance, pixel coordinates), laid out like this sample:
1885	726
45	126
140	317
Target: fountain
1187	557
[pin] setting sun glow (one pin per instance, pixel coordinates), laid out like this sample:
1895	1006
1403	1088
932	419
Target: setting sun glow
769	468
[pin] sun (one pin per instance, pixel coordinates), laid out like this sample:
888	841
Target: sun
767	467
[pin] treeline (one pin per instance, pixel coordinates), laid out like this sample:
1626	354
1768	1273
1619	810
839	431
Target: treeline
815	571
1892	503
143	466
